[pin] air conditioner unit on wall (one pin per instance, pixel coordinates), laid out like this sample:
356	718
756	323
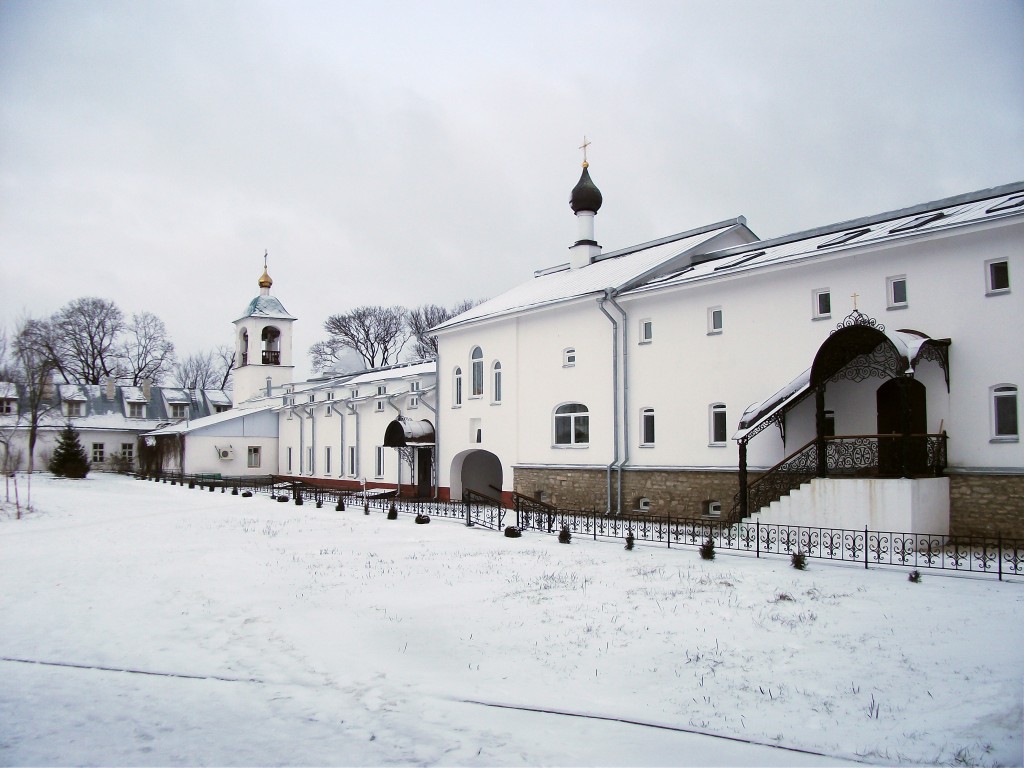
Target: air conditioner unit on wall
225	454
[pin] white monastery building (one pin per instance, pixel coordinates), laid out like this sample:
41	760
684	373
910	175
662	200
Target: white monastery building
865	373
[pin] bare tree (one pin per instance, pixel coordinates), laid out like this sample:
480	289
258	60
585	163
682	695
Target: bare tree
84	340
34	372
196	371
427	316
376	333
144	350
225	362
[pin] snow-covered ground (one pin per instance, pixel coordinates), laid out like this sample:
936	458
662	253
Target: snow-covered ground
274	634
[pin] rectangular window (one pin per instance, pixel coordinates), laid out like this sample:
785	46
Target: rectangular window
715	320
718	425
98	453
1004	411
647	426
997	276
330	395
380	406
382	390
353	393
309	461
329	411
312	398
414	402
253	458
646	331
896	289
327	460
830	423
7	406
136	410
289	457
179	410
128	452
569	357
76	409
414	386
822	303
352	469
378	465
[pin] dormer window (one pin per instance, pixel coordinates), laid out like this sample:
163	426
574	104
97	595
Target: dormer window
136	410
179	410
8	407
76	408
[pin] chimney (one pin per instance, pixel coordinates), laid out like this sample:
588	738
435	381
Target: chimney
147	389
111	392
270	386
49	390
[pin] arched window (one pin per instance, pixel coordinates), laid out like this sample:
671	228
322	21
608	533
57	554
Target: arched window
271	338
496	382
457	387
647	426
717	424
243	348
477	359
1004	413
572	424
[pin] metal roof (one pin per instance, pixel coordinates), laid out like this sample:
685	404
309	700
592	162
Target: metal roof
268	307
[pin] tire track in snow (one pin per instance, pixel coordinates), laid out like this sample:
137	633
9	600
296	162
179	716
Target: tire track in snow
129	670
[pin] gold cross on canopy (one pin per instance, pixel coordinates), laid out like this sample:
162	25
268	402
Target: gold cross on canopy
855	296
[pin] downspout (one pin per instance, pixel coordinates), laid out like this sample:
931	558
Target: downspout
302	440
437	437
615	397
355	468
311	469
341	430
625	398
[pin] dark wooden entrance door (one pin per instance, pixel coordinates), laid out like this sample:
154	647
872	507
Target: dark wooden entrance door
424	471
892	420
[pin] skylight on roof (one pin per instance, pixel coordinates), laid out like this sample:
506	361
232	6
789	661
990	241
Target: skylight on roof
741	260
1016	201
845	237
917	223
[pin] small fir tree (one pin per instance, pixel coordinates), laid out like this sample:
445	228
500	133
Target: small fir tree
707	549
69	458
799	560
564	536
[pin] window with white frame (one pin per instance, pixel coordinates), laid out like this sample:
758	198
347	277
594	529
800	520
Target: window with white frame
457	388
997	277
1005	426
647	426
643	505
569	357
330	395
821	303
378	465
414	402
76	408
288	455
312	397
477	362
381	390
128	452
179	410
711	508
572	425
496	382
896	291
718	424
309	460
329	411
98	453
353	393
136	410
380	406
327	459
7	406
353	469
646	331
254	457
715	320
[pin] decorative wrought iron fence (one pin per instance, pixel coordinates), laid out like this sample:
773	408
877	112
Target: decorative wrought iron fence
483	510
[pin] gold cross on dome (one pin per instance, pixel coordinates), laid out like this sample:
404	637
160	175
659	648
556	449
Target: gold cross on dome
855	296
264	258
584	146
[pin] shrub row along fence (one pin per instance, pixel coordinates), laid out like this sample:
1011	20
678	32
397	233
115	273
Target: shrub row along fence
993	555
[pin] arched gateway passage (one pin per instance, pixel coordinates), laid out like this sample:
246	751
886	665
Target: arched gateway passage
476	470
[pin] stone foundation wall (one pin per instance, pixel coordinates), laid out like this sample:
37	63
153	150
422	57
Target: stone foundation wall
986	505
678	493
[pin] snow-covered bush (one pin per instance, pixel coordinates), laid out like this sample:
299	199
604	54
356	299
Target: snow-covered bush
629	540
564	536
511	532
422	519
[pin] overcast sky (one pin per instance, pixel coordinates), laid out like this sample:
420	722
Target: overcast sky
403	153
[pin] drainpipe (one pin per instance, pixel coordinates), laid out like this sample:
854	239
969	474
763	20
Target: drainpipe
312	440
302	440
615	396
437	438
625	398
355	469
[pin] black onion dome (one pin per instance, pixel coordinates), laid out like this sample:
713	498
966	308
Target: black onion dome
585	195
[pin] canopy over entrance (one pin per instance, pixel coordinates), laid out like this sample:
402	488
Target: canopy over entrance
404	432
858	349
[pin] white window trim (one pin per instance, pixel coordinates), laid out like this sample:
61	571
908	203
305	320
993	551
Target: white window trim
712	331
989	290
815	313
889	300
379	463
993	394
712	409
566	354
646	331
497	382
253	451
572	445
643	427
457	393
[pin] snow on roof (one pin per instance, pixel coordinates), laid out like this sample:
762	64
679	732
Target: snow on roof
76	392
400	371
612	270
217	396
133	395
176	395
268	307
8	391
191	425
919	220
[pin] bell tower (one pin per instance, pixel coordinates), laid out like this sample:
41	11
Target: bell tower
263	344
